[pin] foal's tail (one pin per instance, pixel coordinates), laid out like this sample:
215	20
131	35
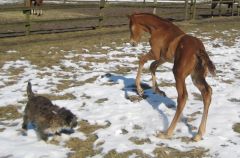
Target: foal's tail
202	54
30	93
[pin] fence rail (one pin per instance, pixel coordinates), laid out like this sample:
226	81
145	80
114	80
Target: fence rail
189	9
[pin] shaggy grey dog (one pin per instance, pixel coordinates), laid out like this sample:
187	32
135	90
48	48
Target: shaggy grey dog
46	117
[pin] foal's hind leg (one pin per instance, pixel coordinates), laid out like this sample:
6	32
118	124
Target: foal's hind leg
206	92
153	69
181	101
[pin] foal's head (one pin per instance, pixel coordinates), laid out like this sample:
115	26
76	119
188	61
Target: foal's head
136	30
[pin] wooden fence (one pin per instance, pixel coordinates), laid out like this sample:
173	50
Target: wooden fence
189	9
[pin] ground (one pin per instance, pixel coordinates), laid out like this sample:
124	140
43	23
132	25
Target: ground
92	73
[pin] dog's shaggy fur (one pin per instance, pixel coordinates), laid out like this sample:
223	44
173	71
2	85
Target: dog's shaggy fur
47	118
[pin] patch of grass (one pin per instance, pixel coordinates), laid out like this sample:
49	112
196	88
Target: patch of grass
82	148
185	139
96	60
99	101
67	96
88	129
122	70
2	129
85	148
127	154
197	96
166	152
89	80
236	127
124	131
134	98
166	84
228	81
64	84
139	141
86	96
137	127
15	71
192	116
234	100
9	112
9	83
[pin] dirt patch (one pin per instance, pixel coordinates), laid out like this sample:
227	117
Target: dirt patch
82	148
9	112
140	141
67	96
127	154
85	148
99	101
87	128
166	152
236	127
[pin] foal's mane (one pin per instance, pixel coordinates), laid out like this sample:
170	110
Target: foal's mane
154	16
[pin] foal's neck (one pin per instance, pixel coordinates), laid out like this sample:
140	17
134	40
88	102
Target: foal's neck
155	23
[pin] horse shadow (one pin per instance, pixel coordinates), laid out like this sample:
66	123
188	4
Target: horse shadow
155	100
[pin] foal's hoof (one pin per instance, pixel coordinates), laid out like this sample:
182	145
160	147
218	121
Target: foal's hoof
197	138
163	135
140	92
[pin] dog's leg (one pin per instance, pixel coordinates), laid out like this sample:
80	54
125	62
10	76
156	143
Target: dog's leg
24	125
25	122
41	134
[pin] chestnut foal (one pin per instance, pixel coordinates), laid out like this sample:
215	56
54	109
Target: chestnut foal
170	44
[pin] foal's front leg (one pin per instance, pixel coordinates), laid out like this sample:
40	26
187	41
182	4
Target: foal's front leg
143	59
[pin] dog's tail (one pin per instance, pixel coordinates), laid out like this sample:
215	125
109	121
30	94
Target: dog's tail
30	93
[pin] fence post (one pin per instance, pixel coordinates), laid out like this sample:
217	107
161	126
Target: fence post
186	9
27	12
194	9
101	7
220	8
155	7
238	7
191	9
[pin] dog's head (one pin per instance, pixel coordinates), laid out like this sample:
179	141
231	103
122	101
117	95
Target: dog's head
62	119
70	120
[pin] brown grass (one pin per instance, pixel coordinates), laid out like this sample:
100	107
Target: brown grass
82	148
236	127
102	100
166	152
88	129
67	96
140	141
9	112
85	148
127	154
